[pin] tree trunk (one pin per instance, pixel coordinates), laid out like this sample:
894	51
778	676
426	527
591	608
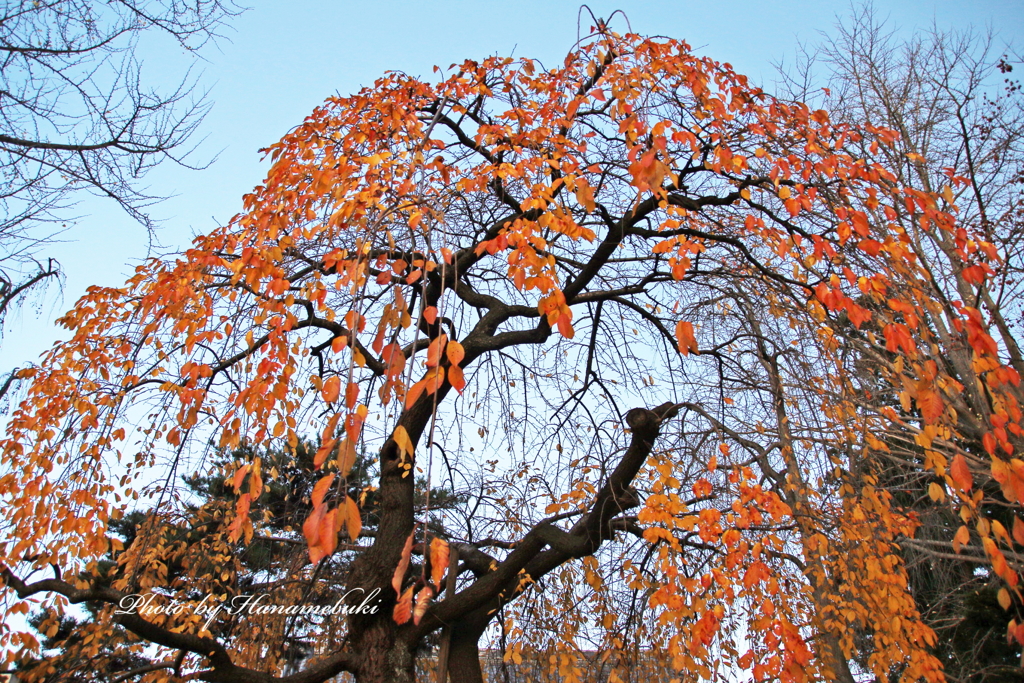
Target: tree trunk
464	655
385	659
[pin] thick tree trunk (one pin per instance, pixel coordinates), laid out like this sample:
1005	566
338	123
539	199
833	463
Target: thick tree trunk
384	660
464	659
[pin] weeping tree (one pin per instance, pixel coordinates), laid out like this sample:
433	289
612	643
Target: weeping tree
619	309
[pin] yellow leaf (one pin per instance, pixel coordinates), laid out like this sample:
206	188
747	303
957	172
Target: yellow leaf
1004	598
404	443
422	601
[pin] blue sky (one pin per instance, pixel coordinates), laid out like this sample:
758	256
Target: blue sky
279	60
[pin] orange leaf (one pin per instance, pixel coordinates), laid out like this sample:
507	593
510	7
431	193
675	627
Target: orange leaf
961	538
328	538
430	314
422	601
321	488
756	573
455	353
311	529
433	379
236	483
321	454
331	390
346	456
999	565
394	359
256	481
565	326
354	521
435	349
415	392
684	333
241	517
403	608
961	475
438	560
329	428
930	404
1018	531
403	565
351	395
456	378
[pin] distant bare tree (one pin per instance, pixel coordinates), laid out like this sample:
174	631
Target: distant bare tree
77	117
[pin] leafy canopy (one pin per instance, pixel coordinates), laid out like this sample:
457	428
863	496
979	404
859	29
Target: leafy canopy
520	223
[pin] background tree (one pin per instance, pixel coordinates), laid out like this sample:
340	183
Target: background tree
952	98
635	227
78	117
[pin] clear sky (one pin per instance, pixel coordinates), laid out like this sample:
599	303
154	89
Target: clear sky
280	59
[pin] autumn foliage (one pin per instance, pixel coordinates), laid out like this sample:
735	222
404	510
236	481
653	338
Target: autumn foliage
635	227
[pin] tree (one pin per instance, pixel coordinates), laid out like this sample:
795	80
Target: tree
486	280
951	96
78	118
